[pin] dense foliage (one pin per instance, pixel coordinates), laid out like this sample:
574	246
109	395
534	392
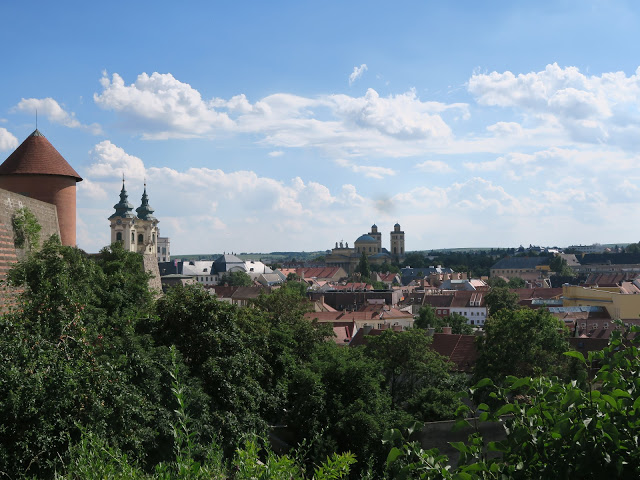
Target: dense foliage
554	429
91	358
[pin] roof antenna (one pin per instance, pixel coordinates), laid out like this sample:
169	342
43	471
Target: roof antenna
36	119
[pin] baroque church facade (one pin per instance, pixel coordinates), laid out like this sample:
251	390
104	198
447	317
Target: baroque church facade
371	245
137	232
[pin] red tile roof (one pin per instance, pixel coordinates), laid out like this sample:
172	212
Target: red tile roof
459	349
543	293
438	300
36	156
463	298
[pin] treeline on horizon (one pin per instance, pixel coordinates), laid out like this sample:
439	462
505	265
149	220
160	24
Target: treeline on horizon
100	378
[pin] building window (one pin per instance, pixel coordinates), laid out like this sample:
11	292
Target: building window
133	237
140	238
119	237
605	326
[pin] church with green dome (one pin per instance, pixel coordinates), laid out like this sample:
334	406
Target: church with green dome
371	245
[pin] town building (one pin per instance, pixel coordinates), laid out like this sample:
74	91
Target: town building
529	269
164	249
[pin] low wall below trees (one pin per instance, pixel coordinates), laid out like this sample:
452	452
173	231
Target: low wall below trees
439	435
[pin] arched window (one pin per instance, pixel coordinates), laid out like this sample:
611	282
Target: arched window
140	238
133	237
119	237
153	238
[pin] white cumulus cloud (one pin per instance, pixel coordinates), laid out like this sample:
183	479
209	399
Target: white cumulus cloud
160	106
111	161
54	112
8	141
357	73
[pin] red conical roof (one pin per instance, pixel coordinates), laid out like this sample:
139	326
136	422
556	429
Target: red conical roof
36	156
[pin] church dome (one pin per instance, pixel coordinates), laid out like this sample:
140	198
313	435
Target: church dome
366	239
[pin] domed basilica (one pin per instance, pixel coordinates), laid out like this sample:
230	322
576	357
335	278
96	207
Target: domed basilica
371	245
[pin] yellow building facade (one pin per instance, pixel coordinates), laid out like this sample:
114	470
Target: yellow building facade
618	305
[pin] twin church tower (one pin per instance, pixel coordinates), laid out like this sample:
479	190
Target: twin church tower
137	232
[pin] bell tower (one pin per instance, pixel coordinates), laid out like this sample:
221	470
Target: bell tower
397	242
147	227
123	222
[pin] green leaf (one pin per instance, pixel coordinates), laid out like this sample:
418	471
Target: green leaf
460	424
620	393
483	406
460	446
394	454
508	408
575	354
610	400
483	383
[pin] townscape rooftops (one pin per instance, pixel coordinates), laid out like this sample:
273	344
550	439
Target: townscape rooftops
36	156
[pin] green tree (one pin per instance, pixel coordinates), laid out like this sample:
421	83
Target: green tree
426	318
560	267
501	298
458	323
516	282
522	343
236	279
363	267
497	282
418	378
339	402
72	361
26	229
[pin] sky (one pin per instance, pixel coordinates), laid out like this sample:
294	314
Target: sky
290	126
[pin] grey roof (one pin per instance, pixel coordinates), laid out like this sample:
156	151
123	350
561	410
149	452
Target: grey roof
198	268
225	262
366	239
520	262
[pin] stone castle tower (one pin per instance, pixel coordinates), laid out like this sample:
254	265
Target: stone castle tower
36	170
137	233
397	241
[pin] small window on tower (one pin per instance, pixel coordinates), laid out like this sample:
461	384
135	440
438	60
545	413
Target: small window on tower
140	238
133	237
119	237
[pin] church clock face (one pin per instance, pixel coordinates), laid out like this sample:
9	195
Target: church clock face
119	221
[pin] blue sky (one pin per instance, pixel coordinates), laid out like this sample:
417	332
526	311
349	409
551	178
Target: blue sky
263	126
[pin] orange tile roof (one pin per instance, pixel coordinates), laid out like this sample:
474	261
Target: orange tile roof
36	156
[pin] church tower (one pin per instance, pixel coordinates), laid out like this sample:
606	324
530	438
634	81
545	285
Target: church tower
123	222
147	227
377	235
137	233
397	242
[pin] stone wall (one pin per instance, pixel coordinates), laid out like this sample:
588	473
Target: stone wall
150	263
47	217
440	435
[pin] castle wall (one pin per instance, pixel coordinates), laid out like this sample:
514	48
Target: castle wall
55	189
47	216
